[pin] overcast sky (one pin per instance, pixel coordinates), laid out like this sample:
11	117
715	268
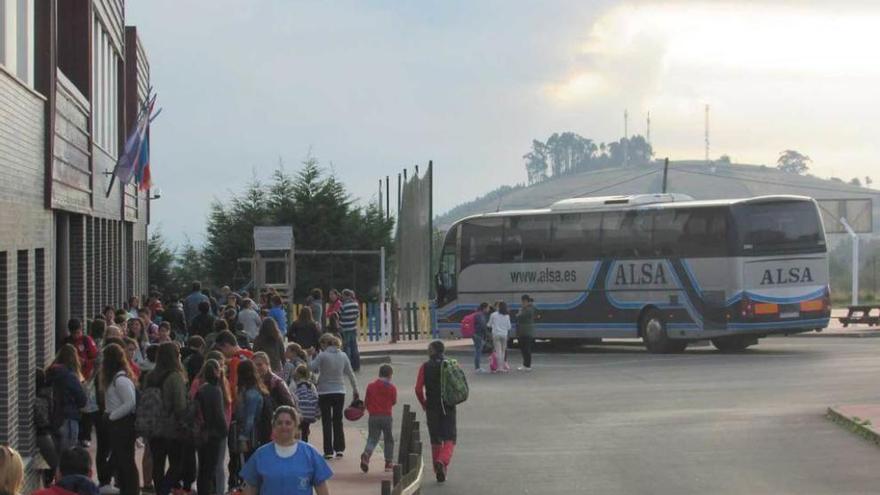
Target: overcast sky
375	86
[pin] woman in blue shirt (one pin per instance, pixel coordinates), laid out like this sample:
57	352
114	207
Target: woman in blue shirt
286	466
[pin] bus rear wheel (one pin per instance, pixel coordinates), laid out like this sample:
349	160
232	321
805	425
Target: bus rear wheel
735	343
653	330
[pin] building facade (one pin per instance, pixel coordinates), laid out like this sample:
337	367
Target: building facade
72	78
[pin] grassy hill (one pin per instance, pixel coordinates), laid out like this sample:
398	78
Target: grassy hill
695	178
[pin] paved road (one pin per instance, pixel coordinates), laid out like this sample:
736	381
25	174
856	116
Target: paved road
618	420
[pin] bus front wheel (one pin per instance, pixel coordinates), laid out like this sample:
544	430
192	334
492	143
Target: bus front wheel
653	329
736	343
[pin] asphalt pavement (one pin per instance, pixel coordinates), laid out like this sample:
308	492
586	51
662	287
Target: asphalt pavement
615	419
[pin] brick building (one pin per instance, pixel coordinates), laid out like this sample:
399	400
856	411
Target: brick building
72	77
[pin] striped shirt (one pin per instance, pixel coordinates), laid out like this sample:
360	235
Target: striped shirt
348	317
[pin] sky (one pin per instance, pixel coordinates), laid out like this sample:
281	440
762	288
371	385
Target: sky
370	88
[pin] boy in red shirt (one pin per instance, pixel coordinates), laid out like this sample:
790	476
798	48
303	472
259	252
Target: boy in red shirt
381	397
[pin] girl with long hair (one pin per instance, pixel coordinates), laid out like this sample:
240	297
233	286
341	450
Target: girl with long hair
249	403
66	379
304	331
212	398
117	380
169	376
500	324
269	340
11	471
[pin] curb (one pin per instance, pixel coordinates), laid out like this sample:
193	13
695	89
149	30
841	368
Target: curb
848	335
856	427
377	358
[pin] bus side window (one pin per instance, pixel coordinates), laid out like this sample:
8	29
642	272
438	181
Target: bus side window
576	236
627	234
481	241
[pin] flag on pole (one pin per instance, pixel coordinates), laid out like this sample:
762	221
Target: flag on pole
143	163
134	153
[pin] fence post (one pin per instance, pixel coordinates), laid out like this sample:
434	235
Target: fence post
386	487
395	321
396	474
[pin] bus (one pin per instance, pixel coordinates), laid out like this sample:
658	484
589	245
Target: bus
660	267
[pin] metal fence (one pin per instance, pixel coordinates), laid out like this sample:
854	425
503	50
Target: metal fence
391	322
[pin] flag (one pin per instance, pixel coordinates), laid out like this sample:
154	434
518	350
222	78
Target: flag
143	175
127	164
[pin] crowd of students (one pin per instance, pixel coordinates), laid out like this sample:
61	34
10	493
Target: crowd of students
213	391
491	328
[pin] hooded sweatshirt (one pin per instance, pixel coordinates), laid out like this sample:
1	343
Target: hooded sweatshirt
68	392
71	485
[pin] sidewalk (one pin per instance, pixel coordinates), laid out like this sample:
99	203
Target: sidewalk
411	347
863	420
347	475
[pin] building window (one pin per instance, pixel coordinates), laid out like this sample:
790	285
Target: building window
73	42
105	89
17	38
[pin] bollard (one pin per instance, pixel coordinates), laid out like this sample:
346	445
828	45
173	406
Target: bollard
405	430
386	487
396	474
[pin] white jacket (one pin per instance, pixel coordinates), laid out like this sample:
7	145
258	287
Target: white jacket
500	324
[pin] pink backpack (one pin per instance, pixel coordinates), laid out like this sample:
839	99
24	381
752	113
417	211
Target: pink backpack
467	325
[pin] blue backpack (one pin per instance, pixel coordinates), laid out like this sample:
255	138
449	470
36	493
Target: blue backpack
307	399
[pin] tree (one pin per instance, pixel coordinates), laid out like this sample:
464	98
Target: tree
855	182
323	216
792	162
724	160
160	260
868	181
536	162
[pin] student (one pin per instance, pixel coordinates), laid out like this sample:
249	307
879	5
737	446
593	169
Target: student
212	398
269	340
500	323
117	382
276	386
249	319
86	350
304	330
348	321
525	331
73	476
333	366
249	403
440	416
203	322
169	376
277	312
294	357
306	396
381	398
11	471
316	305
68	395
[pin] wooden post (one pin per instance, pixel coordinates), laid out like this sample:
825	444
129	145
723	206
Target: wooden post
386	487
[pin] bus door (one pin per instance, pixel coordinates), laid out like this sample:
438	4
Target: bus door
446	280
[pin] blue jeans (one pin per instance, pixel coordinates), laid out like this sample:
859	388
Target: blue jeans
350	348
478	350
68	434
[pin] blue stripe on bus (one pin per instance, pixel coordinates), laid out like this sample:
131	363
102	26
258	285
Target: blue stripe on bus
557	306
686	303
551	326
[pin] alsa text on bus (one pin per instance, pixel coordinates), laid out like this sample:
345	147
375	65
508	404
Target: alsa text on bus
791	276
545	276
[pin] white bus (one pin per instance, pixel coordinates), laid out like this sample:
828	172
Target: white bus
662	267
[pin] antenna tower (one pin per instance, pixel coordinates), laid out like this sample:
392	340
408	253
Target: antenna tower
707	133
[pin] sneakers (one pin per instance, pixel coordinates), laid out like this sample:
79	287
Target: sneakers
328	456
440	471
479	370
365	462
389	466
339	455
108	490
524	368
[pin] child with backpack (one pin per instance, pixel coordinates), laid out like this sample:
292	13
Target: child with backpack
307	398
381	398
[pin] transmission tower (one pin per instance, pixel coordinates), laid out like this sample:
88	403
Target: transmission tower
625	141
707	133
648	130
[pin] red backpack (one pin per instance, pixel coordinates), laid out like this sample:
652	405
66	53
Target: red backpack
467	325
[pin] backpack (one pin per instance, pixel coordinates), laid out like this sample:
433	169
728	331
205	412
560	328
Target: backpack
192	425
263	423
453	383
44	408
151	418
467	325
307	397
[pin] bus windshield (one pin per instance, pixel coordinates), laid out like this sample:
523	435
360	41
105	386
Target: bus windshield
779	228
